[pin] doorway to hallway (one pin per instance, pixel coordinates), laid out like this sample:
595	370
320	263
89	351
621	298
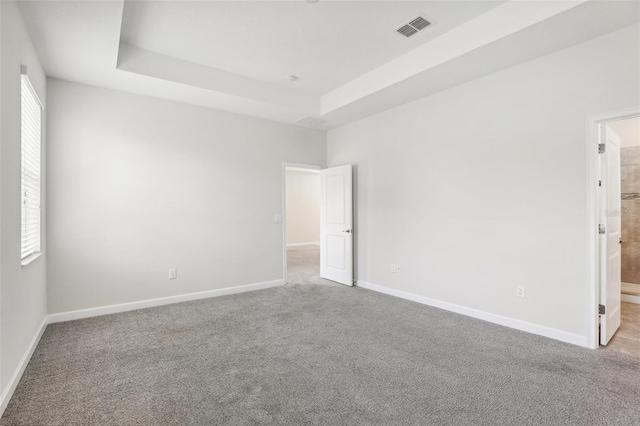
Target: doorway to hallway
302	225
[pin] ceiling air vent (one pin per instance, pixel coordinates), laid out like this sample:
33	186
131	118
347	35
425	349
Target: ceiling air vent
414	26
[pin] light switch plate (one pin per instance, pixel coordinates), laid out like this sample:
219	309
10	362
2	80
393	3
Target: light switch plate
278	218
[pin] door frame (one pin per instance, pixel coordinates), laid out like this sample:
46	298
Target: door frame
594	132
286	166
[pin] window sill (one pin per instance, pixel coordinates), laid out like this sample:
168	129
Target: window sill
27	260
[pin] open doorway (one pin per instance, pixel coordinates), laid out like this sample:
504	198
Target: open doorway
318	231
627	338
302	224
618	326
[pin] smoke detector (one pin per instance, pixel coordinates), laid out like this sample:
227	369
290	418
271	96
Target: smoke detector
416	25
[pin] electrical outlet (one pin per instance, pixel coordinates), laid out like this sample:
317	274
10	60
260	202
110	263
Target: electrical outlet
173	273
277	218
521	291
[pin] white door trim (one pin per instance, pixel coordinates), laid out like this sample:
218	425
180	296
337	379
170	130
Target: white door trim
593	125
286	166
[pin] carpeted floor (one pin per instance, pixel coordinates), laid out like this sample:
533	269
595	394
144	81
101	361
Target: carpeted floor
303	266
307	354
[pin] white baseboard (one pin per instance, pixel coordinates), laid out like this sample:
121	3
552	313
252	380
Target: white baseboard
541	330
17	374
132	306
312	243
630	298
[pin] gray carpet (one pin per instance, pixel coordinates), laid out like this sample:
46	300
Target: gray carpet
303	266
308	354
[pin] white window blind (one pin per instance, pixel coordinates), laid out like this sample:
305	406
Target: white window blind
31	141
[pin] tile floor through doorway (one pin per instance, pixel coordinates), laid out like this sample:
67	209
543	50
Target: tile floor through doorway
627	338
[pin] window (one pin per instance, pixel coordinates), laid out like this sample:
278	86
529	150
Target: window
31	116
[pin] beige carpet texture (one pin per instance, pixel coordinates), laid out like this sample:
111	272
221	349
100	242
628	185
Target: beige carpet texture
315	353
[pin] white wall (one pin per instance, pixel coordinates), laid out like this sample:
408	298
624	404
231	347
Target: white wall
140	185
628	130
480	188
23	294
303	207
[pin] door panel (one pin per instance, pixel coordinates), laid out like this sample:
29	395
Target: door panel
335	199
336	251
611	251
336	225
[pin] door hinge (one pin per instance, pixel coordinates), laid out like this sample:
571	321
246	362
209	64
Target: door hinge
601	229
601	309
601	148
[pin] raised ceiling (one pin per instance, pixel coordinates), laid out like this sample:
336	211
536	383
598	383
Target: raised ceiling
325	44
350	61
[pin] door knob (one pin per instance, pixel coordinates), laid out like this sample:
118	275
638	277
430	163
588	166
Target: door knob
348	231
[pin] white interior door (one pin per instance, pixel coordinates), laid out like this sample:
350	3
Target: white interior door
336	224
611	250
